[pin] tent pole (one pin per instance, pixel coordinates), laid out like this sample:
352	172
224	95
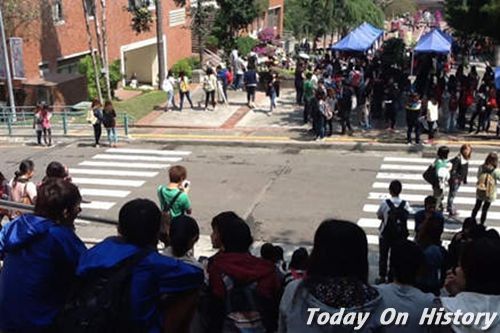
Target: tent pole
412	62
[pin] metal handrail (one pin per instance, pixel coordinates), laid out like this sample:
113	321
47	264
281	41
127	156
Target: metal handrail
6	204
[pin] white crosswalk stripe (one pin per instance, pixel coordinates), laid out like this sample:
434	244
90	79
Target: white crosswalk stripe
110	172
149	152
128	165
409	171
113	175
136	158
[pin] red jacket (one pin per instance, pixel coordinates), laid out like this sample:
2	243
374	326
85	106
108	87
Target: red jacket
244	268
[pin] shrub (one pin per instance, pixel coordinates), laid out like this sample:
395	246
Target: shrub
212	42
194	62
182	65
86	68
245	45
266	35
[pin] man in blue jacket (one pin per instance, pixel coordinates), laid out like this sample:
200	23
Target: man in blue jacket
40	253
154	277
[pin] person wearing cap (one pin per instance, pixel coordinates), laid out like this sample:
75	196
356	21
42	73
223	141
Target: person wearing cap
413	108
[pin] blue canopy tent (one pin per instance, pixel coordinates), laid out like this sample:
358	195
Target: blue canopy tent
355	41
445	35
360	39
497	77
433	42
370	30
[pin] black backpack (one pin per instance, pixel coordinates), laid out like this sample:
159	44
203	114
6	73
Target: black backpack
396	227
430	175
243	308
100	301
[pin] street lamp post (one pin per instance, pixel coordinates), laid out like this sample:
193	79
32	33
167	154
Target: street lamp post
7	69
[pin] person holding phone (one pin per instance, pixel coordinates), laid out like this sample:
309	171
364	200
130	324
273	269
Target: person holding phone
175	194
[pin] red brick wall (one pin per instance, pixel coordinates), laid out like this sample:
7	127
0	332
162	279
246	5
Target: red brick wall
49	42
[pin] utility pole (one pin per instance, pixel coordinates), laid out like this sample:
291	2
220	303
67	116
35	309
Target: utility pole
5	55
159	42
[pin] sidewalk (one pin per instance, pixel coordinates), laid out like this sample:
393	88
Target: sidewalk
236	124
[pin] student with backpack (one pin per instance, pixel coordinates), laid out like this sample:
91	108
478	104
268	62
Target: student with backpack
184	90
124	285
46	116
37	124
244	290
458	175
22	189
40	253
438	174
486	188
393	213
174	199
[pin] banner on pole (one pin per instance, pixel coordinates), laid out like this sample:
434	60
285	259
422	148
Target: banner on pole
17	60
3	74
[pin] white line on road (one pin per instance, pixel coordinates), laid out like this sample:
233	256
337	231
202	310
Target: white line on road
422	160
418	198
401	167
461	213
148	151
426	187
374	223
136	158
108	182
103	193
103	205
124	165
373	240
407	176
109	172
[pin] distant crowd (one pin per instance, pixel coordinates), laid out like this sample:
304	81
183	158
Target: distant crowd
50	282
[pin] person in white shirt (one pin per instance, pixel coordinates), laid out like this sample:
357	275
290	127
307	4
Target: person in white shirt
386	241
168	87
432	117
21	188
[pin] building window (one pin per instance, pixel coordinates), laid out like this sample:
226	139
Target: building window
57	11
90	4
273	18
141	3
177	17
44	69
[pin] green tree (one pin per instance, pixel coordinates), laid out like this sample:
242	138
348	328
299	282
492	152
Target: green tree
474	17
400	7
234	16
18	15
315	18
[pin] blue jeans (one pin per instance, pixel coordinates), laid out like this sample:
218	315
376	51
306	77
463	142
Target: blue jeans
238	81
273	100
171	99
112	137
319	126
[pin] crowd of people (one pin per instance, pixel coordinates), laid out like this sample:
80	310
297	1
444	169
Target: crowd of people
330	87
49	281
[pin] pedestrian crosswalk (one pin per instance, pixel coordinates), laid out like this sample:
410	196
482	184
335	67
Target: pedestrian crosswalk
409	171
112	175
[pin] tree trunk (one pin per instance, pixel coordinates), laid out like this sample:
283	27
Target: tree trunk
91	49
159	42
105	50
98	32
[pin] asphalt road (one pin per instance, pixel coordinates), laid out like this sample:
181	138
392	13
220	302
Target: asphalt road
284	194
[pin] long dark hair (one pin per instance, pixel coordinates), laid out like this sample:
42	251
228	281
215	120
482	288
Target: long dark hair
25	167
340	250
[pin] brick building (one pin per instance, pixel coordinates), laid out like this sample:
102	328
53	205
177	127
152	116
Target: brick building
55	44
58	41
